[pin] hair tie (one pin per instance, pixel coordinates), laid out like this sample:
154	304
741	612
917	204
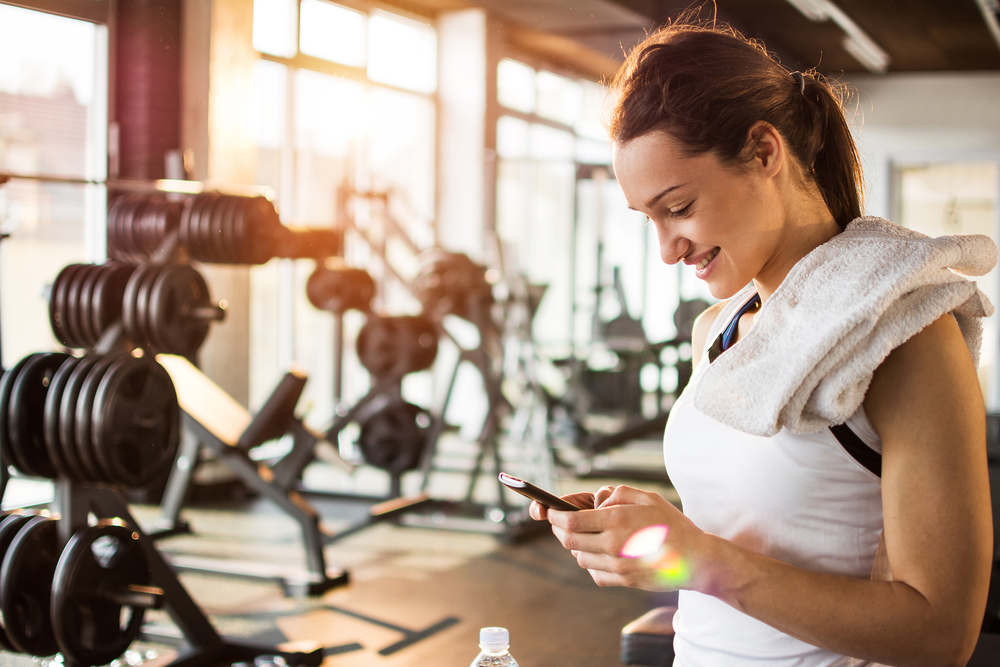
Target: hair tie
801	80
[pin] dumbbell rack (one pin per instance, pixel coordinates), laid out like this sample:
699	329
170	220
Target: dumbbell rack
205	646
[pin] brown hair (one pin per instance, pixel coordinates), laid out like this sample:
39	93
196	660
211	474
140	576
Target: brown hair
707	86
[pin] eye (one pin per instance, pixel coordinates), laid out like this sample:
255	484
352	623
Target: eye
683	212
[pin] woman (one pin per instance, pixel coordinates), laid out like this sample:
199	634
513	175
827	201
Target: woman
747	170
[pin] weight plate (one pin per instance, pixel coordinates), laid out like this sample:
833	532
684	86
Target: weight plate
74	314
232	254
50	419
9	528
55	317
197	239
83	419
8	456
339	290
178	291
391	439
90	627
67	417
130	296
184	224
60	289
26	413
86	321
142	306
114	244
262	224
136	421
109	290
120	224
146	232
241	231
131	223
209	230
26	587
395	346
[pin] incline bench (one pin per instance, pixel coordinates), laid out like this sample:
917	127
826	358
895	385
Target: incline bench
217	421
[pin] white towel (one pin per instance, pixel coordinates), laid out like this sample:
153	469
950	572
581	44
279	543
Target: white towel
815	344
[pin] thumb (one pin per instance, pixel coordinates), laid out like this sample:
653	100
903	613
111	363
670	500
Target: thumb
628	495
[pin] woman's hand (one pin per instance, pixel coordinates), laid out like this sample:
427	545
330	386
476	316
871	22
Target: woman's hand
597	539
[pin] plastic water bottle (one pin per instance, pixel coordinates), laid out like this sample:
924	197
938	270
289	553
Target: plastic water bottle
494	644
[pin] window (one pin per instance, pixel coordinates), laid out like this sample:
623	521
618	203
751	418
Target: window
945	198
343	97
53	120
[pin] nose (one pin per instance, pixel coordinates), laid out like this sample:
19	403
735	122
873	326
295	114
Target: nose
673	246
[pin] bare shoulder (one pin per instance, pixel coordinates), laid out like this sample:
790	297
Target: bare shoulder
932	370
702	325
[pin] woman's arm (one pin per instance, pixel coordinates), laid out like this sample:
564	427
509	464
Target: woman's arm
926	405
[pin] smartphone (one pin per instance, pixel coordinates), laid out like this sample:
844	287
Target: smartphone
529	490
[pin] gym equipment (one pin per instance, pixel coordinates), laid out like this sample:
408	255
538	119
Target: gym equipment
217	422
211	227
162	307
340	288
100	592
25	587
167	308
108	574
9	528
229	230
101	418
450	283
138	224
85	300
394	346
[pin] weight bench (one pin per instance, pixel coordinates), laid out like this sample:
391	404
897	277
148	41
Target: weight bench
217	421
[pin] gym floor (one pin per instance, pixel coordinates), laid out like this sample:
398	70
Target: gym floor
417	596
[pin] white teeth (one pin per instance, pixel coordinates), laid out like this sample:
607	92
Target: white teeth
708	258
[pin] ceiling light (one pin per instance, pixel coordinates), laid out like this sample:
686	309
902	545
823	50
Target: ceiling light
857	42
990	9
814	10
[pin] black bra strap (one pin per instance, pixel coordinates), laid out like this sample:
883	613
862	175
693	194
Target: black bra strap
848	439
857	448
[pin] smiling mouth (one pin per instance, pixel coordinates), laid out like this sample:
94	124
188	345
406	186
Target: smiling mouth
707	259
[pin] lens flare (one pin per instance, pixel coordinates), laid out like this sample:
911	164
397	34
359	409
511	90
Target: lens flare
645	542
649	547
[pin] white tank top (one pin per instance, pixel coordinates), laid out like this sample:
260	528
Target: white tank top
801	499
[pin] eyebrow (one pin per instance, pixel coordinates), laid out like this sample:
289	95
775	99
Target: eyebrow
656	198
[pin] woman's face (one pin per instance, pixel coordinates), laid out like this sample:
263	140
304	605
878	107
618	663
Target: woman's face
723	220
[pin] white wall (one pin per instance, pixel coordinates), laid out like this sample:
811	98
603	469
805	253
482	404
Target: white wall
911	117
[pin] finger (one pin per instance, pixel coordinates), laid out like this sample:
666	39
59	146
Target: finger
537	511
602	495
583	499
591	542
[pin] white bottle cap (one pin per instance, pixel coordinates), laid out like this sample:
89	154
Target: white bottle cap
494	639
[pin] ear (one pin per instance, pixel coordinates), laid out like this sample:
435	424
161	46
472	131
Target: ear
766	148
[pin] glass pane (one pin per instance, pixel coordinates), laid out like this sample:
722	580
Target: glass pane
53	120
516	86
512	138
333	33
594	97
330	113
401	158
402	53
559	98
274	26
590	151
48	80
548	143
959	198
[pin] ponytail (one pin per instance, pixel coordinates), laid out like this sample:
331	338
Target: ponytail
707	86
